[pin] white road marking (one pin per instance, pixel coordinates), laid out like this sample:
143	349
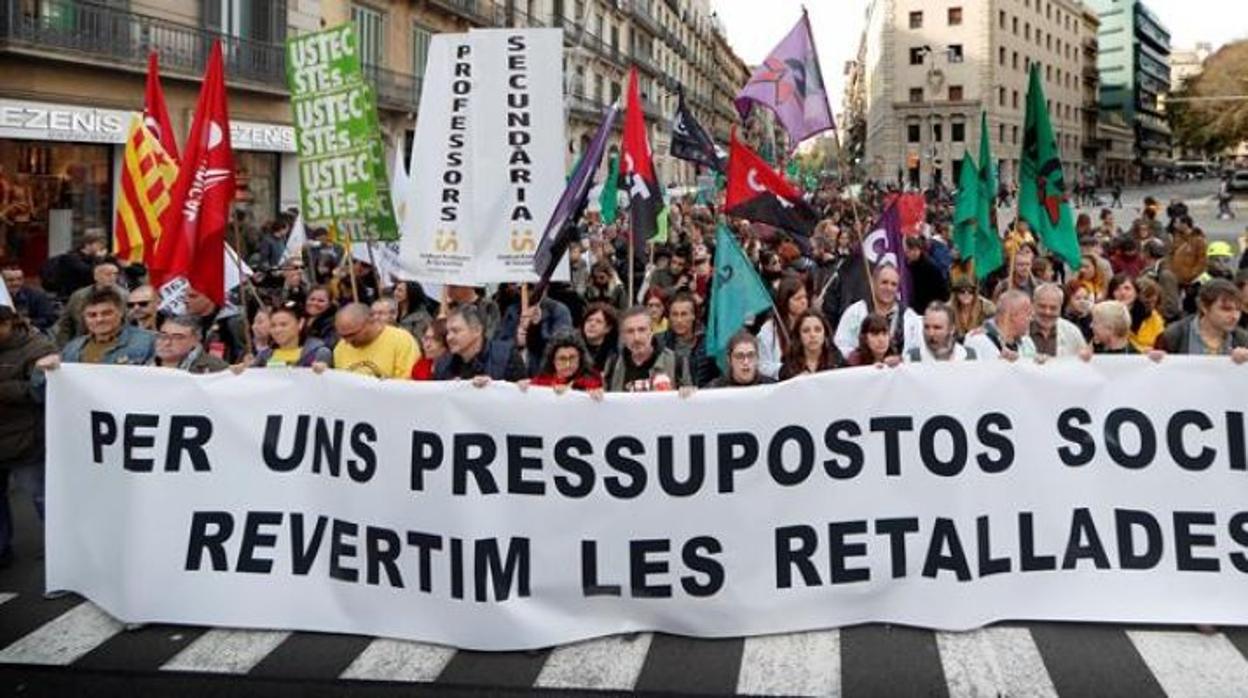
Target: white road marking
399	660
807	664
609	663
65	638
1187	663
994	662
223	651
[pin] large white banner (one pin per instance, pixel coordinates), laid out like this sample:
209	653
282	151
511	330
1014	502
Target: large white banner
939	495
487	161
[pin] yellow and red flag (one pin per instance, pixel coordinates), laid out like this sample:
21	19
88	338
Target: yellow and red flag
147	175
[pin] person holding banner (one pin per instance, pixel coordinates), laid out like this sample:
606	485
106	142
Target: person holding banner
1111	331
567	365
775	336
432	348
21	416
600	332
814	351
288	349
108	340
106	271
177	346
366	346
222	329
686	340
940	340
1006	335
643	366
1214	330
319	309
1054	335
470	356
744	369
875	344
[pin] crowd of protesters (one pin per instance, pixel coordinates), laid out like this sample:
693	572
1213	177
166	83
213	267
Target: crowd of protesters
1153	287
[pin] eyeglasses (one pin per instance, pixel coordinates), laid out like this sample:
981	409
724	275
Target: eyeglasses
567	360
744	356
138	304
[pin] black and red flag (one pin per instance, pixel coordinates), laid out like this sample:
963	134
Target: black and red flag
645	196
760	194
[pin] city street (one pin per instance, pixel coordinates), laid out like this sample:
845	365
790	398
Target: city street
1199	195
68	647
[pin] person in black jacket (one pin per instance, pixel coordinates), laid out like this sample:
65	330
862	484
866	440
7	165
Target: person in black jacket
1214	330
471	356
927	281
30	303
66	273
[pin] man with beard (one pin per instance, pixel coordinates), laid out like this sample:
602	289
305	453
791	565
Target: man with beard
940	341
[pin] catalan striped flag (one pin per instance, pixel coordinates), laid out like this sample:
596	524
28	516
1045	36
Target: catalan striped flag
147	175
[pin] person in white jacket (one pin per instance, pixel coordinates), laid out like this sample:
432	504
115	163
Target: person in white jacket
1005	335
940	341
884	287
1053	335
773	342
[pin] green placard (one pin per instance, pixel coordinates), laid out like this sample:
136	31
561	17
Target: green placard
337	133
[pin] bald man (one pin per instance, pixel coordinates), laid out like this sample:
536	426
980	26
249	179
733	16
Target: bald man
370	347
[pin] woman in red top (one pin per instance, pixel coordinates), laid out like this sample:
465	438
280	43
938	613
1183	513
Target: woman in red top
567	365
432	347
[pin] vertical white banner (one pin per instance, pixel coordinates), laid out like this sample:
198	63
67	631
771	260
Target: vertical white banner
435	233
517	144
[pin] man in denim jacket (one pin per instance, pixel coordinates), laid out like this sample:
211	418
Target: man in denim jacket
109	340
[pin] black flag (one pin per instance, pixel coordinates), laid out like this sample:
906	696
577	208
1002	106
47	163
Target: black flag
690	141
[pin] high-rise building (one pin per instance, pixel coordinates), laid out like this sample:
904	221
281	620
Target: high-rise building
928	69
1134	66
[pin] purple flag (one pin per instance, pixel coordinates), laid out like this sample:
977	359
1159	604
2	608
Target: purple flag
790	84
562	224
886	246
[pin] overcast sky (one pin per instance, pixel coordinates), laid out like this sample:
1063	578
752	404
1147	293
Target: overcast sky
756	26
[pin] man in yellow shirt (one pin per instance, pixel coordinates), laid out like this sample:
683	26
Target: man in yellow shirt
367	346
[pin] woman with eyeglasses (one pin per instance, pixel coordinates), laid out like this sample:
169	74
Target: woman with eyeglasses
566	365
743	364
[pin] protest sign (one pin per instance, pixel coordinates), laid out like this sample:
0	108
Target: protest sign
488	156
941	495
341	161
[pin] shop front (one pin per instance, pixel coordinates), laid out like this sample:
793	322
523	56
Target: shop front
266	169
57	175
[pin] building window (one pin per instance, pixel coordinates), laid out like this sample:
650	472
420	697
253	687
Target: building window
598	89
957	131
916	94
1014	22
1015	60
1014	130
955	53
1001	56
1001	96
1014	99
1001	133
1048	43
1027	31
370	34
912	133
1001	19
916	56
420	49
955	16
938	133
955	93
916	20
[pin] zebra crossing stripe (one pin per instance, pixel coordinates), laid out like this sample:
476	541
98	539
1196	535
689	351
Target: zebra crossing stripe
65	638
997	661
1189	664
610	663
807	664
399	660
226	651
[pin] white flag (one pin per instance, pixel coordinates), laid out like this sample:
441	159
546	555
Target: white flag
5	299
399	181
295	240
232	263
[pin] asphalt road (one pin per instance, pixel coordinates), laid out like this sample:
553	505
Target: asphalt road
69	647
1199	195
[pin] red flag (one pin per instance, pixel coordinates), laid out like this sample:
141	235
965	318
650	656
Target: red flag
192	245
643	187
758	193
155	113
912	208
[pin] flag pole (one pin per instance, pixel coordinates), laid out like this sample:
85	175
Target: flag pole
632	251
245	282
372	261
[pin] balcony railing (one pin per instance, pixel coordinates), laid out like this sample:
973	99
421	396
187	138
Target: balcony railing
644	16
95	33
394	89
480	12
644	60
576	35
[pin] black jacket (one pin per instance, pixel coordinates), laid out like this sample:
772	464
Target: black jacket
21	398
497	359
1176	339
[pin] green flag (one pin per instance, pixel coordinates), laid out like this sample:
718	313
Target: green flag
987	240
660	236
737	292
1041	186
609	198
966	208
